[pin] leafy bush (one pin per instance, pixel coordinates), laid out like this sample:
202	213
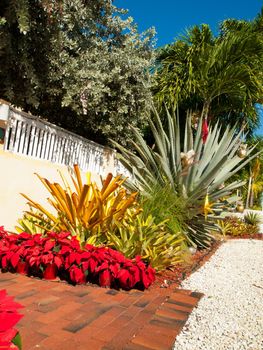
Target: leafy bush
84	210
224	226
165	206
34	224
153	242
9	336
59	255
252	218
237	227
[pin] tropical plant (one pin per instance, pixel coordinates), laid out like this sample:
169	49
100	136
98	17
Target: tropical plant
153	242
225	227
252	218
217	77
84	210
193	168
237	227
34	224
165	206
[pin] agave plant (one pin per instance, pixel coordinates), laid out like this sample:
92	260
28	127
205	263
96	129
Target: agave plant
252	218
208	165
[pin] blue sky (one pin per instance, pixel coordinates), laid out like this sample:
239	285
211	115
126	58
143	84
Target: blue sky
171	17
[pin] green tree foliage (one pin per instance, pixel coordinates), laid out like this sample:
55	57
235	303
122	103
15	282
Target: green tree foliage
81	64
219	77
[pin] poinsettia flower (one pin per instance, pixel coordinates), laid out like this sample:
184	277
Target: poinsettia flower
4	345
103	266
114	268
123	277
49	245
25	235
23	252
8	319
8	335
14	259
77	275
105	278
58	261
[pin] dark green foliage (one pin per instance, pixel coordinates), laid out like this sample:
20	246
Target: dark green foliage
80	64
217	77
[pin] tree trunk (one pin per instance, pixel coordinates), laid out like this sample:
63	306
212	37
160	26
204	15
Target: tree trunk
205	109
251	203
248	192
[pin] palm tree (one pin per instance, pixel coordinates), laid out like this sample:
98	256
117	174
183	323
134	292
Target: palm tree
212	75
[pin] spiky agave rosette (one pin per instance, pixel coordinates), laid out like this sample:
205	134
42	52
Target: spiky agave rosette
9	336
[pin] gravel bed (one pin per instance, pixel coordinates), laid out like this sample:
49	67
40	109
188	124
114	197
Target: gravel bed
230	315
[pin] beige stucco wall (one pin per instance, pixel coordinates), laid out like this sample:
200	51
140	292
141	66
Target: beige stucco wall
17	176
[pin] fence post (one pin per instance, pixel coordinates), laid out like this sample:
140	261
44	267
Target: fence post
4	116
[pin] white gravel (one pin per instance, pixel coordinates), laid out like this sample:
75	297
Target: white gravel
230	315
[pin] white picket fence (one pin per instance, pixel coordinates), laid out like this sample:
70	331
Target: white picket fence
33	137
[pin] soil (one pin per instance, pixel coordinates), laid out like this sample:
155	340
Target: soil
172	278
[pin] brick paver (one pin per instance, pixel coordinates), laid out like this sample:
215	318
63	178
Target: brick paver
58	316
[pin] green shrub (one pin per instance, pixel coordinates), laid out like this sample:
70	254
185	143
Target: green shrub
237	227
152	241
252	218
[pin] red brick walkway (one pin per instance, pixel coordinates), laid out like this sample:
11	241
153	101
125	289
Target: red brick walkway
58	316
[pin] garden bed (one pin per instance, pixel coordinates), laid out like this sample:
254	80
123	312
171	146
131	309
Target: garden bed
172	278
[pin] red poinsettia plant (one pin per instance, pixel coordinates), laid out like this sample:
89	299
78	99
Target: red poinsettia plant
60	255
9	336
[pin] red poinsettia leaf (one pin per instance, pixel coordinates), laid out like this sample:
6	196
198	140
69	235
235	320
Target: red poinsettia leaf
29	243
8	320
77	275
105	278
24	235
65	249
8	335
103	266
146	279
72	258
7	302
58	261
114	268
4	262
49	245
93	263
90	248
85	266
74	243
140	263
151	273
63	235
85	256
119	257
7	346
135	272
123	277
47	258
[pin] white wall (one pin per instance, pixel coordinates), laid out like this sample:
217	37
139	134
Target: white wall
17	176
